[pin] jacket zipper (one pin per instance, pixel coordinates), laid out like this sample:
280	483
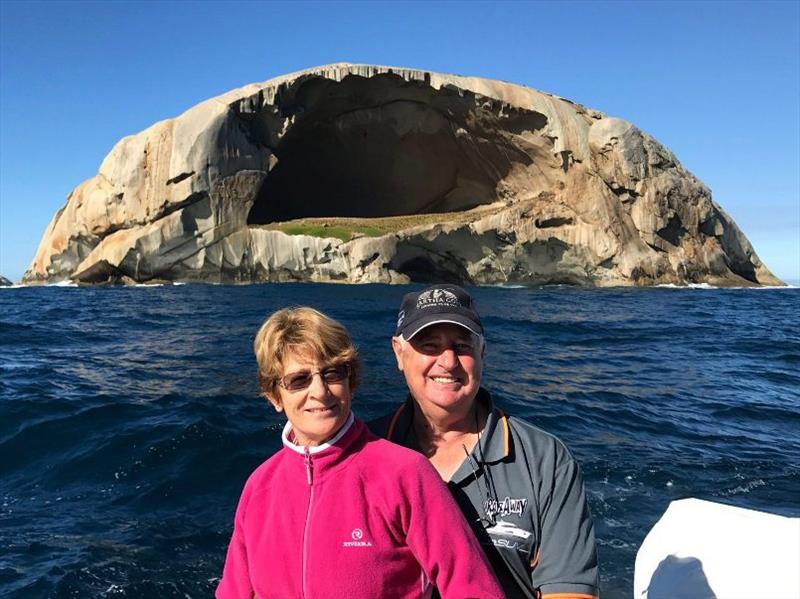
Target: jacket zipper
309	479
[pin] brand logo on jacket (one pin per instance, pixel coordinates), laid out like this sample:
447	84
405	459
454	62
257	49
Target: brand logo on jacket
358	539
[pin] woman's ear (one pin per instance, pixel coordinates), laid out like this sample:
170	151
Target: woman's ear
275	400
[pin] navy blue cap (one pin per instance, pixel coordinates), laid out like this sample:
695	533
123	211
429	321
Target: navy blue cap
434	305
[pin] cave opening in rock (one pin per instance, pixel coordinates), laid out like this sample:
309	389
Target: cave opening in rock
382	147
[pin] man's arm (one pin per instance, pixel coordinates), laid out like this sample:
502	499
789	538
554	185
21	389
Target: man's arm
565	567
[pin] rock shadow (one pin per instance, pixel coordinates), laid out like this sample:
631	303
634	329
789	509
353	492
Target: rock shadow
383	146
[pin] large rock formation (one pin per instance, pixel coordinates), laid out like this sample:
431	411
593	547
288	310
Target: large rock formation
536	189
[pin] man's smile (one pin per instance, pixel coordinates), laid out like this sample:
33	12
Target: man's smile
445	379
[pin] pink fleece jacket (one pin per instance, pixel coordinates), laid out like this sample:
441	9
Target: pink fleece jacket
358	517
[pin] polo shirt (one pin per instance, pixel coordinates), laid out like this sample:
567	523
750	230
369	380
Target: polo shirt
522	493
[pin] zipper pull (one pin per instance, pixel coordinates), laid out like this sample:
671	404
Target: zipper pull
308	465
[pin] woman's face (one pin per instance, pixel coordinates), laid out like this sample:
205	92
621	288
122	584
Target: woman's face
318	411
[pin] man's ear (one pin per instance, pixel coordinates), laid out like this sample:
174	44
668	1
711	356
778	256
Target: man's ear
397	346
275	400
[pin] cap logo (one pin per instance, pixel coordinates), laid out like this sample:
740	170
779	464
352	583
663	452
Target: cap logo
400	318
437	297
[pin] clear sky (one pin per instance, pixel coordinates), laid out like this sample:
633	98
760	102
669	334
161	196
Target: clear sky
718	83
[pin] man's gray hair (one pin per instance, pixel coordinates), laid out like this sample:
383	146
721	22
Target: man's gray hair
481	339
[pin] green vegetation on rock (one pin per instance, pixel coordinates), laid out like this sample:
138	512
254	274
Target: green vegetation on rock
347	228
320	230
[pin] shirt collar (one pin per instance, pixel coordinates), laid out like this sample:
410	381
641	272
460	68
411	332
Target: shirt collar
494	444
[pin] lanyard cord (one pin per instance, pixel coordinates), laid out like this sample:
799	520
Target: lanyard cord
484	491
489	479
488	515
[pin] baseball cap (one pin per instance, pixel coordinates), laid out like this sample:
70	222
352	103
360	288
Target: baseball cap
434	305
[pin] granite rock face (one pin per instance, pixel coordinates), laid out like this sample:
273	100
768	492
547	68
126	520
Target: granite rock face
5	282
547	191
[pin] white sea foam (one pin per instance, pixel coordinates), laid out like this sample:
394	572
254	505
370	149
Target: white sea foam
505	286
707	286
688	286
787	286
745	488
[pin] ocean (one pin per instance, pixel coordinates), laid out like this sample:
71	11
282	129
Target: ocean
131	416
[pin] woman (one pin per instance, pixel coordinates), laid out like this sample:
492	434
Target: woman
338	512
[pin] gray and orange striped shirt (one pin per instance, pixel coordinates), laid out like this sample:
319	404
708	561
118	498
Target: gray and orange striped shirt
522	492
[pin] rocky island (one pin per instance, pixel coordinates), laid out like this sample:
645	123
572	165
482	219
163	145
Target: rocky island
363	173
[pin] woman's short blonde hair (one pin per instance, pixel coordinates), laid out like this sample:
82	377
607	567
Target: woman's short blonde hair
306	332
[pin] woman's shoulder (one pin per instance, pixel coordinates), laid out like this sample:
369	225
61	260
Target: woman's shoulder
379	451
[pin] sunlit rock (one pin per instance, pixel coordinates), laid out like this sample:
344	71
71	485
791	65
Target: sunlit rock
488	182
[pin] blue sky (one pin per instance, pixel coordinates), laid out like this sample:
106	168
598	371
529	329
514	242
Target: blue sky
716	82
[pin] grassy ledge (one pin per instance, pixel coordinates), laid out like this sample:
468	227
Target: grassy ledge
347	228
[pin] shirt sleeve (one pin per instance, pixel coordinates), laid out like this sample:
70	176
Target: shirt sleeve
441	540
565	565
235	582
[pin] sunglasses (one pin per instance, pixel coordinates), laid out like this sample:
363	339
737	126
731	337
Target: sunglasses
297	381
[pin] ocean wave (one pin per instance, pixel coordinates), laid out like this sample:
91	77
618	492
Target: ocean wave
17	328
743	489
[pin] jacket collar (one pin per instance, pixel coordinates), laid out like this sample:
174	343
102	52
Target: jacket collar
337	438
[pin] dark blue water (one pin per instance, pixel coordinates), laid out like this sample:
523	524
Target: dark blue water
129	417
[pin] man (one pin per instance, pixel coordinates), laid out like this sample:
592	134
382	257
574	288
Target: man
518	486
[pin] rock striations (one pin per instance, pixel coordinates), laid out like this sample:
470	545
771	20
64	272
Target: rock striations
519	186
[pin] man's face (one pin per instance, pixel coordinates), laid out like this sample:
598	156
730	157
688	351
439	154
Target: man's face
442	364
